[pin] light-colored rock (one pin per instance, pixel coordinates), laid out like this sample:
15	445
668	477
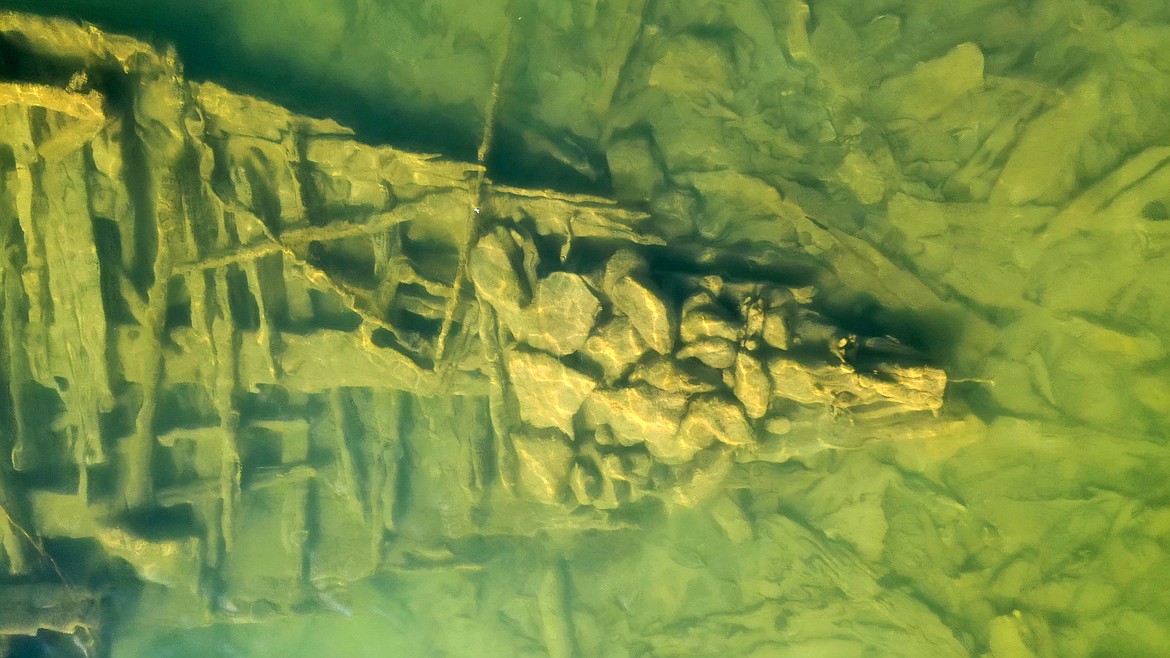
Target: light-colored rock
638	414
700	299
615	346
712	418
775	330
544	459
561	315
915	388
491	267
666	374
715	352
708	322
549	392
805	384
700	478
752	386
625	281
646	311
621	264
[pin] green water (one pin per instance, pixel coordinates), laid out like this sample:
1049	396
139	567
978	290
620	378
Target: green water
994	177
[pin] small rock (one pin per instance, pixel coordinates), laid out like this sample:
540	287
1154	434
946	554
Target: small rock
803	295
594	478
590	488
603	436
778	425
774	297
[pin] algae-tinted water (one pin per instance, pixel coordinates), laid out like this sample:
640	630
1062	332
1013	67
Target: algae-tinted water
985	179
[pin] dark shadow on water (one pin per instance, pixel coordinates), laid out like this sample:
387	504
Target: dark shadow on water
199	33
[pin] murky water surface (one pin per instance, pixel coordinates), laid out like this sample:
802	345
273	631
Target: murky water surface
730	328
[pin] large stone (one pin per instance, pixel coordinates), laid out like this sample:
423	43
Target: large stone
752	386
624	282
592	479
700	478
805	384
646	310
666	374
708	322
639	414
775	331
561	315
615	347
712	418
346	177
549	392
491	267
915	388
715	352
896	389
621	264
544	459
